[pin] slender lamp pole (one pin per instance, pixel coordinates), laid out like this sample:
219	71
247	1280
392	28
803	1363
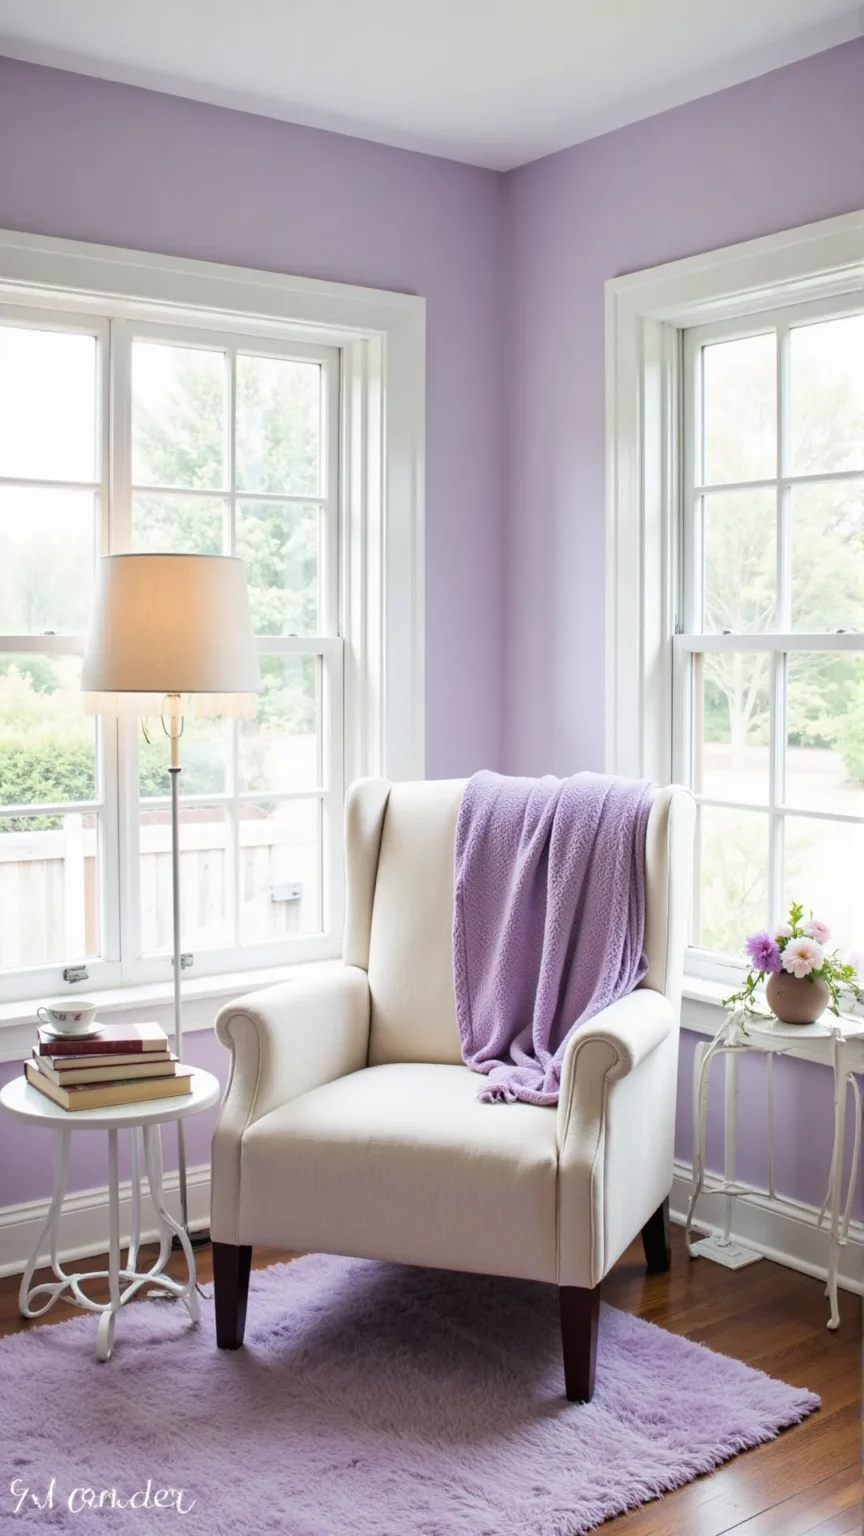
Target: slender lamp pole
175	731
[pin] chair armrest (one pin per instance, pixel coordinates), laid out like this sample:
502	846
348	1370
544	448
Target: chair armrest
284	1041
616	1119
610	1047
288	1039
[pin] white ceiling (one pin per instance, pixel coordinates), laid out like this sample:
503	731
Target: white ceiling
491	82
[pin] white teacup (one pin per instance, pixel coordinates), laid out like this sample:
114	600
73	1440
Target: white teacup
68	1018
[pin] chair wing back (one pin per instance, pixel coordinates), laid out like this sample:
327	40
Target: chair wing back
669	888
399	914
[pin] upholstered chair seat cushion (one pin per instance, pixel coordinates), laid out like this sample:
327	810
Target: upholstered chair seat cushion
403	1162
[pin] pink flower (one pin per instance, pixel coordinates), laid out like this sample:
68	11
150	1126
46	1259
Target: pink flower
801	956
815	929
783	931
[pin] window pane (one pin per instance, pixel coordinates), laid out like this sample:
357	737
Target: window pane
38	594
827	533
739	382
731	895
731	719
48	890
823	867
827	396
204	752
740	561
178	416
280	870
178	525
48	406
205	879
825	732
47	742
278	425
280	547
281	748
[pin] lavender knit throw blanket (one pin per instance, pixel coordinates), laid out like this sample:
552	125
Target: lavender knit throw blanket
549	920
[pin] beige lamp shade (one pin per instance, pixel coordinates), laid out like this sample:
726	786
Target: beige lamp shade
171	624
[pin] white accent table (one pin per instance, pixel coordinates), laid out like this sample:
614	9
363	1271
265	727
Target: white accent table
838	1043
143	1122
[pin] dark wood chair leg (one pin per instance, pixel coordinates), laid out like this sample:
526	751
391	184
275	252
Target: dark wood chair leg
655	1241
231	1267
580	1310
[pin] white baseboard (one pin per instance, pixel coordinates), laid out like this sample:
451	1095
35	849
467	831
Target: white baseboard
84	1223
782	1230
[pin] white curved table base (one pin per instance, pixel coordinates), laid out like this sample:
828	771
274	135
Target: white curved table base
730	1041
124	1281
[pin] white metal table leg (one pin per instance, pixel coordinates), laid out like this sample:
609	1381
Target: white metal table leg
50	1227
836	1179
852	1081
769	1071
704	1056
105	1331
135	1234
730	1138
153	1155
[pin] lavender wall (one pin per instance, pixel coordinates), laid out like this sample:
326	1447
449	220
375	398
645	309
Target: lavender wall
90	160
781	150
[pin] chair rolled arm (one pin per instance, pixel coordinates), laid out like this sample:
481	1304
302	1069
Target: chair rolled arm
291	1038
608	1048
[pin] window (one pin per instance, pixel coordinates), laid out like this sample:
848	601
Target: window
770	708
735	570
218	446
128	423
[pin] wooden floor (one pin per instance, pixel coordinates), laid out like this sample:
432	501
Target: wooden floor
805	1483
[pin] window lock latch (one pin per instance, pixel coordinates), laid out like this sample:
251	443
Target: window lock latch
75	973
186	961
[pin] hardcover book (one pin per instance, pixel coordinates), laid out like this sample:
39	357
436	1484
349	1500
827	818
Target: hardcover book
107	1095
74	1070
112	1038
74	1063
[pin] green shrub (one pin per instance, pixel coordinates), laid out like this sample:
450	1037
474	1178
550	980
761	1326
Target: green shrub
849	734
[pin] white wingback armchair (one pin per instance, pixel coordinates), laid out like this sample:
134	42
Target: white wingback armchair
350	1124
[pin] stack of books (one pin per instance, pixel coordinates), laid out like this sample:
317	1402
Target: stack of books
122	1064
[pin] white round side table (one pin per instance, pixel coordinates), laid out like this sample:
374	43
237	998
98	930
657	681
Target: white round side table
839	1043
143	1121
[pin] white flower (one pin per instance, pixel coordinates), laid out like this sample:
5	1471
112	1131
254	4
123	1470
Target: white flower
801	956
816	929
783	932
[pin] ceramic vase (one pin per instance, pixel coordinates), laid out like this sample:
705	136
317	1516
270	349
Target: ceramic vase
796	1000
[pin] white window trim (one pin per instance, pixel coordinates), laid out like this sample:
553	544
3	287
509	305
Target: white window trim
381	339
646	313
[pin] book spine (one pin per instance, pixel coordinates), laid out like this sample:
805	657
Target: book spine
95	1047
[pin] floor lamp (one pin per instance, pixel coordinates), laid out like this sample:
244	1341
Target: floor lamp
171	634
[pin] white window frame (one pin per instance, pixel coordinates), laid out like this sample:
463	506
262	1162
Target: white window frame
646	315
379	338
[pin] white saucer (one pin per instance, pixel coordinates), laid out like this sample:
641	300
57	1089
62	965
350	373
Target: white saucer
72	1034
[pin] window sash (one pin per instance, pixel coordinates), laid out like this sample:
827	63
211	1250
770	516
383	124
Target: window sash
691	640
116	807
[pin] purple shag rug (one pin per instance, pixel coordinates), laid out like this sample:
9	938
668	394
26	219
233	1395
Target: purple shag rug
372	1400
